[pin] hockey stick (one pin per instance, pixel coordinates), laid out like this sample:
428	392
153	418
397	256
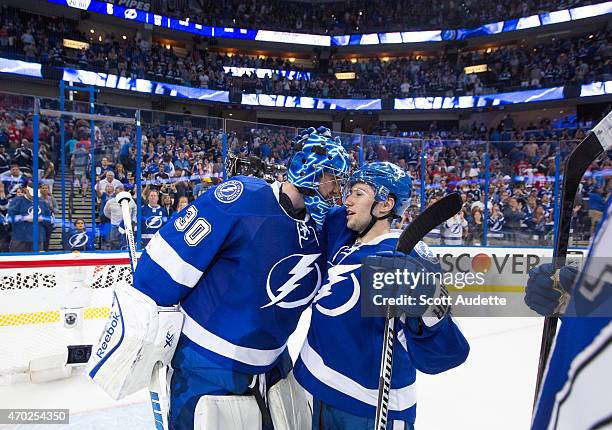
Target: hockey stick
432	217
158	386
575	166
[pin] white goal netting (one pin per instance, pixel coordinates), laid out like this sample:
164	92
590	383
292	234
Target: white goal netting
48	302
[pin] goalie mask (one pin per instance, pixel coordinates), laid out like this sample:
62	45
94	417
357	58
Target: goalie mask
316	153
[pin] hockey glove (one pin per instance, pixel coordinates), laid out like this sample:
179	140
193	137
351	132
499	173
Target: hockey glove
547	293
408	278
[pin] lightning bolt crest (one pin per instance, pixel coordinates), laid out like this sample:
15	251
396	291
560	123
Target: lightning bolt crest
335	275
301	269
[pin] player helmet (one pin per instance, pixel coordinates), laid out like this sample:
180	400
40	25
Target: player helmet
386	179
317	152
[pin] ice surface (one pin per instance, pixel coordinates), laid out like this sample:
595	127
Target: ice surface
493	389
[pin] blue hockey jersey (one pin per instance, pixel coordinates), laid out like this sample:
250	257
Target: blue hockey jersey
75	240
152	219
575	391
340	360
19	209
242	270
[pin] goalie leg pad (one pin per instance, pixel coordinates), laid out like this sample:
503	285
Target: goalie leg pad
137	335
227	412
288	405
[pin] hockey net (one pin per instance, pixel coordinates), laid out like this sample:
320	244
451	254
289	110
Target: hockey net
51	301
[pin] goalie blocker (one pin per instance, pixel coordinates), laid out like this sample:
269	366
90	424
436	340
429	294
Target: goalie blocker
137	336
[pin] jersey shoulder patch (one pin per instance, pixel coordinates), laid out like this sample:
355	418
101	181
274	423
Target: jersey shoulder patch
243	195
423	251
229	192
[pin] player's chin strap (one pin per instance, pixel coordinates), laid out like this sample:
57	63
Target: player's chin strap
373	220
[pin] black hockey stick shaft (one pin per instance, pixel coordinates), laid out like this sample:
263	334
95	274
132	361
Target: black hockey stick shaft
575	166
432	217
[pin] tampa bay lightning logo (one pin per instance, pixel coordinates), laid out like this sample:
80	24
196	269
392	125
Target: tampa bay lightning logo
229	191
154	222
346	292
293	281
78	240
14	187
31	211
130	14
449	34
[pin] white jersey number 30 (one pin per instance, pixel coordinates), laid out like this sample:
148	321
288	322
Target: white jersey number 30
196	231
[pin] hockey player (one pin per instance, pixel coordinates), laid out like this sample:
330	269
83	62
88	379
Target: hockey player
575	390
244	260
340	360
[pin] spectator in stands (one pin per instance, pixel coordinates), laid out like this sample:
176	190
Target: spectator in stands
182	162
181	182
20	215
130	162
453	230
183	202
538	223
103	167
48	177
109	179
77	239
112	210
582	59
167	186
121	175
597	205
476	227
79	163
104	223
4	159
153	217
496	220
13	180
168	166
201	187
513	215
47	197
23	154
124	153
167	204
5	230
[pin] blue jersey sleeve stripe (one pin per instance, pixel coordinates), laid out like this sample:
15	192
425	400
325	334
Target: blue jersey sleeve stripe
168	259
218	345
400	399
155	282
